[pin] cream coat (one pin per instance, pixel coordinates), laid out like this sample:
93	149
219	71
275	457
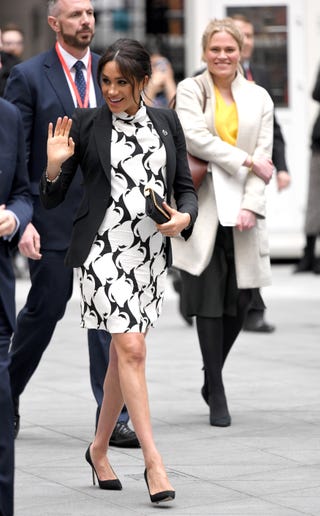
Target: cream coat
255	136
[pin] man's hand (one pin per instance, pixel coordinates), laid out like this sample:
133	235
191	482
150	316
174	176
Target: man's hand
283	179
7	221
29	244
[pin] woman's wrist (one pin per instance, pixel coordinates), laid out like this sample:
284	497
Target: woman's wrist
249	163
189	220
53	173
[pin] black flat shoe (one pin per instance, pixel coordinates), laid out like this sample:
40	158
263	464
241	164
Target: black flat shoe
113	484
222	421
123	437
219	413
162	496
259	326
306	264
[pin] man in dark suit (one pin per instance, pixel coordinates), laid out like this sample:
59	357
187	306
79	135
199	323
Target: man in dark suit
44	87
15	214
255	318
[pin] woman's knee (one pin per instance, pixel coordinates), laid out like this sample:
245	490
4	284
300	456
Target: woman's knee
130	348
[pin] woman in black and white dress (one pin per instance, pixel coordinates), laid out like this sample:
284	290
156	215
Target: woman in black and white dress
121	254
122	280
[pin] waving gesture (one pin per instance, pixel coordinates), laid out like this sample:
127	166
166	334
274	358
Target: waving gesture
60	146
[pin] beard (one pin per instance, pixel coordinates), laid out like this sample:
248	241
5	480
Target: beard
79	40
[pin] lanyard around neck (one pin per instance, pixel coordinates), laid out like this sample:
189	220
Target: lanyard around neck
85	102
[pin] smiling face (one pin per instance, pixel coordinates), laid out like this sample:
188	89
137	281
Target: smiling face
117	90
222	55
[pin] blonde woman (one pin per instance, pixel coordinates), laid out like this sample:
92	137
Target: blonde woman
228	253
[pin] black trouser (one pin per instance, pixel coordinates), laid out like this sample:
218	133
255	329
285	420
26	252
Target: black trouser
6	421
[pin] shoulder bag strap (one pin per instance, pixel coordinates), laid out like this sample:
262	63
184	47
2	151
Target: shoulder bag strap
198	80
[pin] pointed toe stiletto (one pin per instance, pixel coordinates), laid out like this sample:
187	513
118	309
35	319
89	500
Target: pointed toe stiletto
162	496
113	484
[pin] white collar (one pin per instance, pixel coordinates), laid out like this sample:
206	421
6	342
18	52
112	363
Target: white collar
71	60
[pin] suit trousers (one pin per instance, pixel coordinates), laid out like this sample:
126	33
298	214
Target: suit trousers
51	289
312	222
257	303
6	421
99	343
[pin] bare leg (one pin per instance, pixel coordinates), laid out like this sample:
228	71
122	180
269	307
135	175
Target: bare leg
112	404
126	375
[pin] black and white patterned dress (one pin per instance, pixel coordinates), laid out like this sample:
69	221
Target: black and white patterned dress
123	278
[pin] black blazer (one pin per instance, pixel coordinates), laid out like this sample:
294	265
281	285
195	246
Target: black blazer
91	131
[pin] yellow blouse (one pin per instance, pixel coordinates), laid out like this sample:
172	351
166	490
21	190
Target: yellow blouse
226	119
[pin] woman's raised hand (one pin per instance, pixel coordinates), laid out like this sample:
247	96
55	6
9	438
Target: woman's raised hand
60	146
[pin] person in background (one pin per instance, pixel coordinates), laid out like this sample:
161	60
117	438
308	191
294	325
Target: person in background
309	262
15	214
162	85
234	133
7	61
44	87
255	320
13	40
121	254
13	46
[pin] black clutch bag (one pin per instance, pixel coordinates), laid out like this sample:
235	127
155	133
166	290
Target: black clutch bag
154	208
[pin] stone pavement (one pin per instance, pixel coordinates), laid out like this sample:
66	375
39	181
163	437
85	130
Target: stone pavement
266	464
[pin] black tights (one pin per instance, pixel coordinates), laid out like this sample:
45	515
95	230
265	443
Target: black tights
216	337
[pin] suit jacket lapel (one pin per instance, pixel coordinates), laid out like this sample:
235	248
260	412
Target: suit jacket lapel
102	135
163	129
57	78
160	123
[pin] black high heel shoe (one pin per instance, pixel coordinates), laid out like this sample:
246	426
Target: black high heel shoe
113	484
162	496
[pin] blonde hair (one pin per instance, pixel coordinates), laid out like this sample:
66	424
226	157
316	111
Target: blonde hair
224	25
